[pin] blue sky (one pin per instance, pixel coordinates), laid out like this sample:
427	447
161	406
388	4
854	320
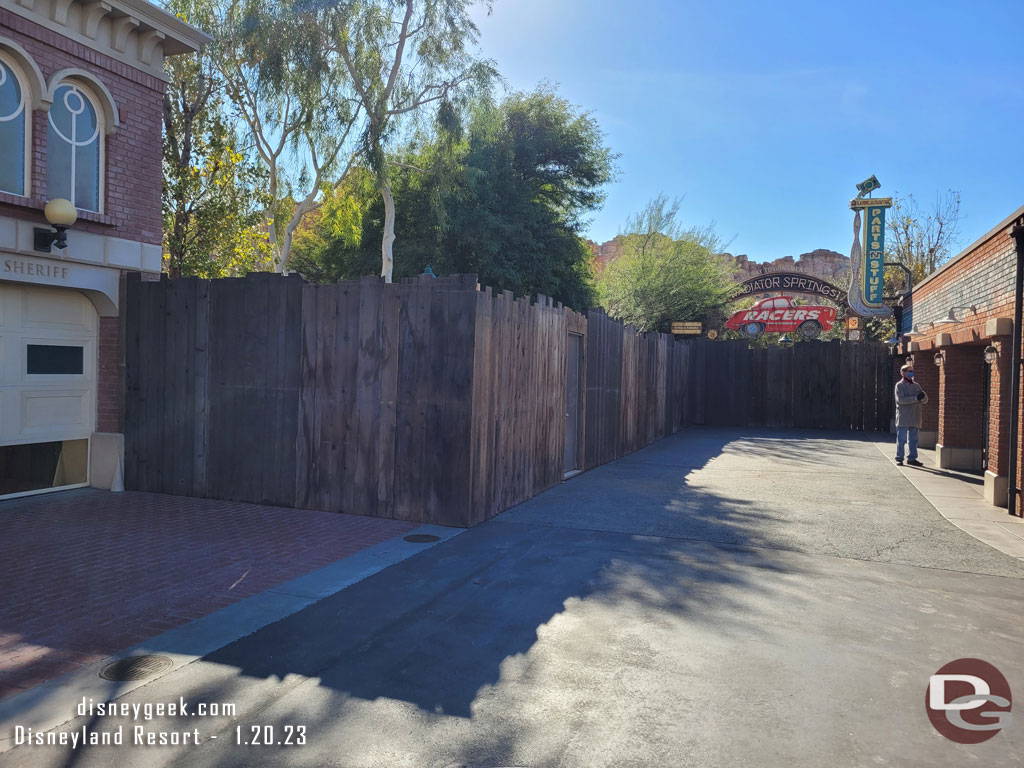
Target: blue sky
766	114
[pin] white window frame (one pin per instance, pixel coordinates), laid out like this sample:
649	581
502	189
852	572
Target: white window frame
101	134
26	115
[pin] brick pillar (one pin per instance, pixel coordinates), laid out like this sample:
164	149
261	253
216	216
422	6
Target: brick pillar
109	397
999	424
927	375
961	399
106	457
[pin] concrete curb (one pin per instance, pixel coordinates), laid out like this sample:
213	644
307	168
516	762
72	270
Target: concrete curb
54	702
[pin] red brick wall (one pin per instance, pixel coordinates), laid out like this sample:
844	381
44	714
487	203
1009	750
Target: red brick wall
999	409
133	153
927	375
109	393
961	397
983	278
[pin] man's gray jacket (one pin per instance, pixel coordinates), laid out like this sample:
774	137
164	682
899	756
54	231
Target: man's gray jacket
908	407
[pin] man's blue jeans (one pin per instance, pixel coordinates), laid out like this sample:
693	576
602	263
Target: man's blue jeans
902	435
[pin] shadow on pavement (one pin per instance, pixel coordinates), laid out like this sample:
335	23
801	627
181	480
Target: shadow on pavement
435	631
570	601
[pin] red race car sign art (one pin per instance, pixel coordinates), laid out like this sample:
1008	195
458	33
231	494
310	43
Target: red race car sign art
781	315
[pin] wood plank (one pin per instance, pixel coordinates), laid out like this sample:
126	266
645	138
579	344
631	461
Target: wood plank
270	290
249	401
389	343
325	443
481	405
342	420
201	376
177	463
289	383
344	446
459	341
133	408
866	376
363	475
414	325
883	397
435	444
154	364
307	435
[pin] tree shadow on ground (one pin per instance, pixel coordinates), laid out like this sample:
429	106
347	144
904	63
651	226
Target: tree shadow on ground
434	630
537	594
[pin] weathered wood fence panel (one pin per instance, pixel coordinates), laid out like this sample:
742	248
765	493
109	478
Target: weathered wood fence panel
431	400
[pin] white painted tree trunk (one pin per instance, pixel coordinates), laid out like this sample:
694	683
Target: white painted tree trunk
387	258
272	240
285	251
281	243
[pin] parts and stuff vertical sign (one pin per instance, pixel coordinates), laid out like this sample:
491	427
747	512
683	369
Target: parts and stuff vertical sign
867	257
874	250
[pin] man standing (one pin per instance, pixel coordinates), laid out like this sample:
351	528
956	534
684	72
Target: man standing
909	399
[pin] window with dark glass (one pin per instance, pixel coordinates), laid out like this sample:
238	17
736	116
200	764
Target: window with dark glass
13	127
73	148
54	359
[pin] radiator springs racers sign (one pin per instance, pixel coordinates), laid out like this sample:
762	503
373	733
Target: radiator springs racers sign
781	315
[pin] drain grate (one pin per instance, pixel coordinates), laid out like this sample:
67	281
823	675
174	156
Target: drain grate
421	538
135	668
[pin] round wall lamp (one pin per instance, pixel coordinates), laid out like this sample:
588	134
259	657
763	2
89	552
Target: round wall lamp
991	354
62	215
938	357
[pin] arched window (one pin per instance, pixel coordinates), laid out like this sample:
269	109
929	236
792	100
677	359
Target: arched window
74	148
14	131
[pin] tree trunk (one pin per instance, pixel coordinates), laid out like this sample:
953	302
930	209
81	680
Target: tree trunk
286	246
387	258
275	248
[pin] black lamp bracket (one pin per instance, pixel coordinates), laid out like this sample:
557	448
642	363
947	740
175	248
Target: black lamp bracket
45	239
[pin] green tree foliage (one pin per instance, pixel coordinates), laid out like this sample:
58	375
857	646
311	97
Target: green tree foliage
212	198
506	202
329	238
667	272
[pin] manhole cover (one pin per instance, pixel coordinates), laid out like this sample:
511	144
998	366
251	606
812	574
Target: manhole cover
421	538
135	668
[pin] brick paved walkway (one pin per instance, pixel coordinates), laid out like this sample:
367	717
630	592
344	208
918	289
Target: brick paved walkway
87	573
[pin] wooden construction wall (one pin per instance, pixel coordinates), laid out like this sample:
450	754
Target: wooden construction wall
431	400
519	400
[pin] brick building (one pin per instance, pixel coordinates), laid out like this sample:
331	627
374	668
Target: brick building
958	326
81	106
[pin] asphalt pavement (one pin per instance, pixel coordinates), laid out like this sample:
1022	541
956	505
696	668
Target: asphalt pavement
721	598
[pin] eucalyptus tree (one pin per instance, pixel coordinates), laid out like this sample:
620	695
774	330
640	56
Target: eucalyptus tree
405	59
294	98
